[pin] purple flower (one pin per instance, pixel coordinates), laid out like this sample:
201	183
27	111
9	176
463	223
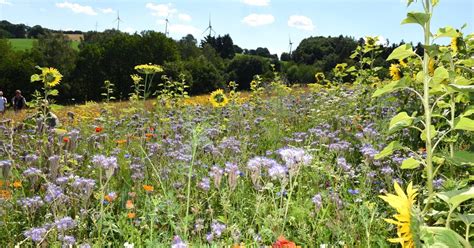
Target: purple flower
353	191
54	193
67	240
205	184
387	170
295	156
65	223
216	173
217	228
32	203
32	171
231	144
317	200
342	163
84	185
36	234
109	164
178	243
277	171
233	172
438	183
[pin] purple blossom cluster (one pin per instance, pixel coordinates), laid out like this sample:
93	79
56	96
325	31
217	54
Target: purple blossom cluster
31	203
217	229
37	234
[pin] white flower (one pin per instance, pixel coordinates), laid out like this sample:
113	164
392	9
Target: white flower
128	245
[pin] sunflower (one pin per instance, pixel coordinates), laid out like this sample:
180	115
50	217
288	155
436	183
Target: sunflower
403	63
403	203
319	77
51	76
395	72
454	44
218	99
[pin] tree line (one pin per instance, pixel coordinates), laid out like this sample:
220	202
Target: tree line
205	65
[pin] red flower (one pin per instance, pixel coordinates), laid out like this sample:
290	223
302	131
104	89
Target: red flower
66	139
283	243
98	129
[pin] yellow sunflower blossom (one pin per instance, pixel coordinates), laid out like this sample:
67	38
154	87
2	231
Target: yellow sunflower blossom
319	77
218	99
395	72
403	204
148	69
431	66
403	63
51	76
454	44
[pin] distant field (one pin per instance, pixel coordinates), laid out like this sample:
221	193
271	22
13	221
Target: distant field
25	44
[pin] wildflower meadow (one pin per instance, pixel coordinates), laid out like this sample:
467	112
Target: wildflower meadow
375	162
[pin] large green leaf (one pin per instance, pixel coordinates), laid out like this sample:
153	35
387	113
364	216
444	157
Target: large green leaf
402	52
433	133
462	157
388	150
464	123
417	18
400	121
469	111
462	88
410	163
441	237
447	32
393	86
440	75
455	197
466	62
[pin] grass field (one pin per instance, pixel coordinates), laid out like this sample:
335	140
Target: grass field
25	44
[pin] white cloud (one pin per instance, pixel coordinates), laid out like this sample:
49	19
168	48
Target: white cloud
161	10
5	2
257	2
107	11
184	17
255	20
301	22
77	8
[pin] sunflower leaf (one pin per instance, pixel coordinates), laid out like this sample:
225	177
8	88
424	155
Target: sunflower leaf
402	52
410	163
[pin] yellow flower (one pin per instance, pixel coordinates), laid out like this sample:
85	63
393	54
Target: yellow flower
148	69
395	72
218	99
51	76
431	66
454	44
319	77
403	203
340	67
403	63
136	79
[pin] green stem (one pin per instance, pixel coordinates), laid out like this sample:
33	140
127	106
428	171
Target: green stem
426	104
292	186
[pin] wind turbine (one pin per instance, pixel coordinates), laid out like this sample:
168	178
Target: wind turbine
166	26
211	30
118	20
290	45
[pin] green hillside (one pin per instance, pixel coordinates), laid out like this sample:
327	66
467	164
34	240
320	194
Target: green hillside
25	44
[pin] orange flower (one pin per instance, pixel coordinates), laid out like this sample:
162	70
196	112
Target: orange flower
5	194
283	243
98	129
17	184
148	188
66	139
131	215
121	142
129	205
149	135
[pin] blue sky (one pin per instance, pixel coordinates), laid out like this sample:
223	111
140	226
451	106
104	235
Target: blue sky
251	23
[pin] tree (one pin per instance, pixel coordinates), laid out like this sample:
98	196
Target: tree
35	32
188	47
243	68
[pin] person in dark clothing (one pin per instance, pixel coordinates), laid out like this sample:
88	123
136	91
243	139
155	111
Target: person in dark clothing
18	101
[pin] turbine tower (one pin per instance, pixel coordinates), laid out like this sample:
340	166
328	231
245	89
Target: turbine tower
166	26
211	30
118	20
290	45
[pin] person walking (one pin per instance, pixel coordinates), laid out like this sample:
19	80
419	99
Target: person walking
3	103
18	101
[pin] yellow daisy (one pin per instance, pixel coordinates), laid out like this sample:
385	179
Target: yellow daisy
218	99
403	203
